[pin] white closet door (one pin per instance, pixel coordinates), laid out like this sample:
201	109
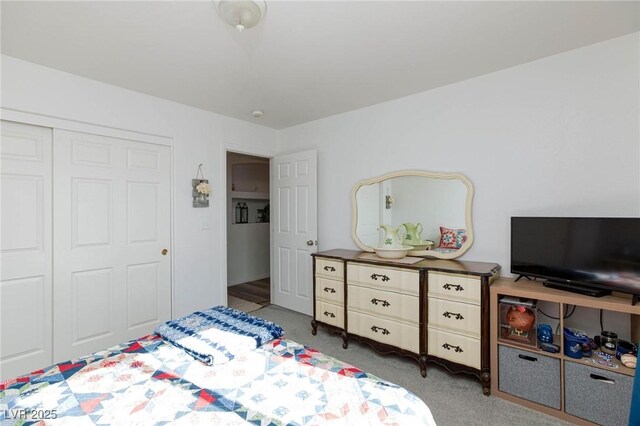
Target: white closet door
112	223
25	249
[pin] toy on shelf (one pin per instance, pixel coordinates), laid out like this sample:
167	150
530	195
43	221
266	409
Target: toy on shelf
545	333
518	318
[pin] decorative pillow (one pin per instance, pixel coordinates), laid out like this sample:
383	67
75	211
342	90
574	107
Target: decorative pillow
452	238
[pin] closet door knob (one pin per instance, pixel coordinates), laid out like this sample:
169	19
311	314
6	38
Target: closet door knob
164	252
310	242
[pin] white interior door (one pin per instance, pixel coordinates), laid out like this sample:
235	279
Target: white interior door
369	203
295	229
25	249
112	223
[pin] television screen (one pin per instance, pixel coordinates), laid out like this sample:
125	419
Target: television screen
592	252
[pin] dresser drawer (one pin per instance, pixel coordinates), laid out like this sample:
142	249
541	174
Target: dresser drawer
330	313
455	287
455	316
399	280
329	268
330	290
396	306
454	347
384	331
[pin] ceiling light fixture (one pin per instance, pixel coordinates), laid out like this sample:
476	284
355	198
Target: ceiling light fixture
257	113
241	14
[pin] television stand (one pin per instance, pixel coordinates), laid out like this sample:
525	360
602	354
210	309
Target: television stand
587	291
522	276
555	383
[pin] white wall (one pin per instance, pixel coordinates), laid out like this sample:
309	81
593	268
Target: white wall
248	253
198	137
558	136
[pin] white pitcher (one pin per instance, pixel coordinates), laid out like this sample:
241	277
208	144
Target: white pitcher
392	237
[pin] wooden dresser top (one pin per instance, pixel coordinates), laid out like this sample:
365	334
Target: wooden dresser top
454	266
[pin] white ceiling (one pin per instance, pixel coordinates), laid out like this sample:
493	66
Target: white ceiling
306	59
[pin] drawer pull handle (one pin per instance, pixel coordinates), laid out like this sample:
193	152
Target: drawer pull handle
382	330
603	379
527	358
384	277
448	314
329	290
329	314
457	287
329	268
448	347
383	302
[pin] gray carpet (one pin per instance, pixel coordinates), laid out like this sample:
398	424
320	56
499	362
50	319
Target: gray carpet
453	400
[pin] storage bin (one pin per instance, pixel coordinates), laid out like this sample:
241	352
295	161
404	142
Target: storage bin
597	395
529	375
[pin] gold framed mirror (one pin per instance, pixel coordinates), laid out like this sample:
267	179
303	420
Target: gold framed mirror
440	203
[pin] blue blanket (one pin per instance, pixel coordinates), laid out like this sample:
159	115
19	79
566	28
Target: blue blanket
218	334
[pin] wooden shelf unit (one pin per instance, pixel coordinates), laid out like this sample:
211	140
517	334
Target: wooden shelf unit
244	195
616	302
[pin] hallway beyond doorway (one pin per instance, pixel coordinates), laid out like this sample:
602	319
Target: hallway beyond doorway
258	291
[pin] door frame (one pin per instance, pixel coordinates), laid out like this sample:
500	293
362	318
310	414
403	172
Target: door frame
62	123
237	149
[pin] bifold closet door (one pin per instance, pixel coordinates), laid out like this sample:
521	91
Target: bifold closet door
112	225
25	249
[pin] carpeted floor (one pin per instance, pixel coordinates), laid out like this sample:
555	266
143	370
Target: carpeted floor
453	400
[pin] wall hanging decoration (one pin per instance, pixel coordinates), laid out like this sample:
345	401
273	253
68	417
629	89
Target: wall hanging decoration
201	189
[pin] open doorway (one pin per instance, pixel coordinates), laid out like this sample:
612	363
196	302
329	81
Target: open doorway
248	235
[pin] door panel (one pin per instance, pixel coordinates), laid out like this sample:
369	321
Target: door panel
142	205
369	219
143	286
16	295
25	249
294	186
112	222
92	213
92	296
23	213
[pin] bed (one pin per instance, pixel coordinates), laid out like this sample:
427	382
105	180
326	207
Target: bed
151	381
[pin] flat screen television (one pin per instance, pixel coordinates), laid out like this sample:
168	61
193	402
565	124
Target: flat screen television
588	255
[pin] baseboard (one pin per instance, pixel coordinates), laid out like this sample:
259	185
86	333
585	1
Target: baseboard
248	279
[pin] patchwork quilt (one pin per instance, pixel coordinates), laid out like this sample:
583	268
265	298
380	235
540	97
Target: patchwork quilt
149	381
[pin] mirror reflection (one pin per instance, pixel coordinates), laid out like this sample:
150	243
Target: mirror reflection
428	213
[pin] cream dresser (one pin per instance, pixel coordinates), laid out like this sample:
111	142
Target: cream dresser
329	292
432	311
